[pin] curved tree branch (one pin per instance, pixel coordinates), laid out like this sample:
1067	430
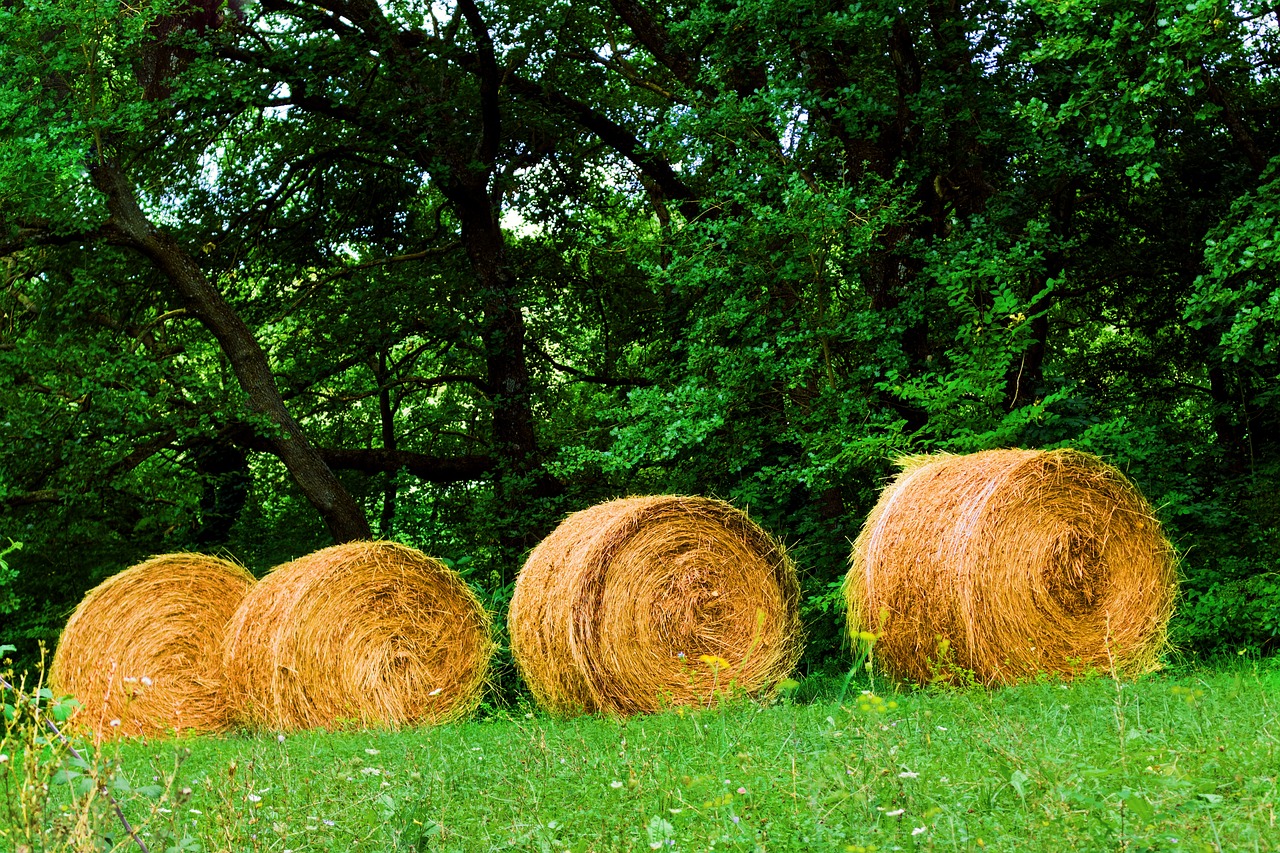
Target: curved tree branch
583	376
656	39
40	496
130	227
619	139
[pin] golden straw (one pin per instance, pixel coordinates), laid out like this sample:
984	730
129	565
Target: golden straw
1007	563
142	652
643	602
366	633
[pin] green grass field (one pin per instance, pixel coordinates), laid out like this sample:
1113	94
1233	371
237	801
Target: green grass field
1172	762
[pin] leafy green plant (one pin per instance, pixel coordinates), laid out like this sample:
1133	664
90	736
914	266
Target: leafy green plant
9	601
54	797
944	671
1234	614
62	795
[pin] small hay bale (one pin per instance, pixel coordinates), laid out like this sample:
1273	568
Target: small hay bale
650	601
143	649
1008	563
365	633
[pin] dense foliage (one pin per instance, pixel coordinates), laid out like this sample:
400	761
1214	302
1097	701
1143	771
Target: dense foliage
277	273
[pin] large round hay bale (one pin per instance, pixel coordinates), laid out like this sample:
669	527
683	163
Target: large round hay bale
142	652
1007	563
361	634
650	601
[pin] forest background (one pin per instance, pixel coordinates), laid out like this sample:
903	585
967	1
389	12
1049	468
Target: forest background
277	274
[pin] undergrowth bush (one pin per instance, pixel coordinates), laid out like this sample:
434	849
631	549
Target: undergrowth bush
61	794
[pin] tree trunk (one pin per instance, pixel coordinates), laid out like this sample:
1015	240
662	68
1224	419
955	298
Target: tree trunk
386	524
225	471
515	447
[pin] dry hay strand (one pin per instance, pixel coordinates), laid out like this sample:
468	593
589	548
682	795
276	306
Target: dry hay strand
1002	564
142	651
643	602
360	634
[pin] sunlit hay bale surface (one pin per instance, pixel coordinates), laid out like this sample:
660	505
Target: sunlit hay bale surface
1008	563
644	602
142	651
361	634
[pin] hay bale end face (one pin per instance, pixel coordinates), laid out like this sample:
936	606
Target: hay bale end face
365	634
142	651
1008	563
643	602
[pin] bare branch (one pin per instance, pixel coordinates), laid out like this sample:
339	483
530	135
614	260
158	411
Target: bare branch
583	376
433	469
41	496
490	82
352	269
619	139
655	37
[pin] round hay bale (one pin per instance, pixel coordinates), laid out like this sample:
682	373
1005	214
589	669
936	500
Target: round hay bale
1002	564
650	601
142	651
365	633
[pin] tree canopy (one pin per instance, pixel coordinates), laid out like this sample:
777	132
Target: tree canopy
282	273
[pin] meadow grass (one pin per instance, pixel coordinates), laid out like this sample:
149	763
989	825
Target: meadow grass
1171	762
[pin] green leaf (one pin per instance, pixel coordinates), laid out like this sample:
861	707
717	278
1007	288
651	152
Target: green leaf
63	709
1140	807
1019	781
